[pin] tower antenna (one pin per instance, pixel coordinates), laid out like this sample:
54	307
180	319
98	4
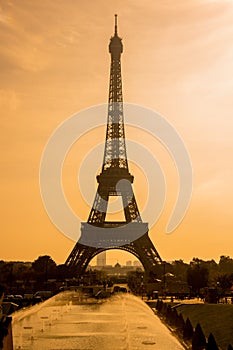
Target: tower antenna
115	24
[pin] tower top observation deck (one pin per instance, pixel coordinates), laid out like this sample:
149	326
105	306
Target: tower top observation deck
115	46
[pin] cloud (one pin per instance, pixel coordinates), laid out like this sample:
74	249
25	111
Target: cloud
4	18
30	36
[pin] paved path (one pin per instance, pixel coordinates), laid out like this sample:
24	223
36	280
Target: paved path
68	322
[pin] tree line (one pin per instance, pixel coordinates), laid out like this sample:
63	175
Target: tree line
189	278
44	272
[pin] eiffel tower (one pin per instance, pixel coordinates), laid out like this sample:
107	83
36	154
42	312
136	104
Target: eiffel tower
97	234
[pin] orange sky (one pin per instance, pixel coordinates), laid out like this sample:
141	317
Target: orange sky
177	60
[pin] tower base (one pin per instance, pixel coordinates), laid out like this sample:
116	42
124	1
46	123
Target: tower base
142	248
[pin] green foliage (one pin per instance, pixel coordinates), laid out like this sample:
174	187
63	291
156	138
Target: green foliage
168	314
226	264
43	263
1	291
159	305
180	323
197	276
164	309
215	318
44	269
211	345
135	279
198	340
188	330
174	316
180	269
225	281
4	325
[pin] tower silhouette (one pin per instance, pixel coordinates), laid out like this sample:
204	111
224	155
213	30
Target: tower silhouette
97	234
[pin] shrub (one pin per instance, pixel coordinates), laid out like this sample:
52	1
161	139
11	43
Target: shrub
188	330
164	309
211	345
159	305
174	316
169	314
180	323
198	340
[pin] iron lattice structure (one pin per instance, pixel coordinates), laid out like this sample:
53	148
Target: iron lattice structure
97	234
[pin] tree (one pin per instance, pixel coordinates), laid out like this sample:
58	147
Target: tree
179	270
42	263
164	309
212	267
135	279
188	330
197	276
224	281
159	305
180	323
62	272
211	345
168	313
174	317
225	264
45	268
198	341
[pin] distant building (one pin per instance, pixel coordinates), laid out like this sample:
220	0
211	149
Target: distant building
129	263
136	263
101	259
117	265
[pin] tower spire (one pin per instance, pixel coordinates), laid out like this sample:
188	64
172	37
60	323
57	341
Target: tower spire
115	148
115	25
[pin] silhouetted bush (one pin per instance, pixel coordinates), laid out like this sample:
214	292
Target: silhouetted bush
230	347
168	314
188	330
180	324
159	305
174	317
198	340
4	325
169	310
211	345
164	309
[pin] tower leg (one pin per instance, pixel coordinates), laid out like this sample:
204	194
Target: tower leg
142	248
80	257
